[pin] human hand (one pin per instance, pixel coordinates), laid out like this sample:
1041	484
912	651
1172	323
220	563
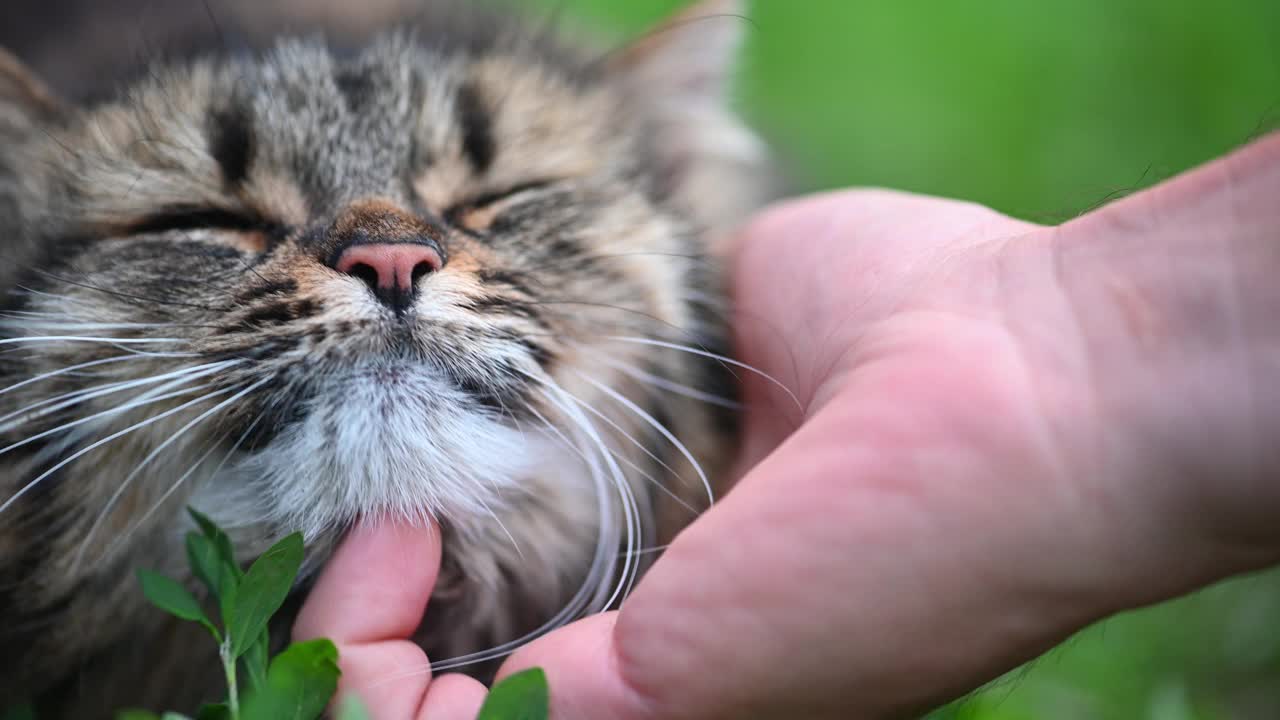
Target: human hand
369	601
1008	431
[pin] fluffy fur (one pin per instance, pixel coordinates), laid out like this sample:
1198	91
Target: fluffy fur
174	331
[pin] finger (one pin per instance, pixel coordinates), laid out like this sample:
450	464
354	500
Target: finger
376	586
390	677
582	672
369	600
453	697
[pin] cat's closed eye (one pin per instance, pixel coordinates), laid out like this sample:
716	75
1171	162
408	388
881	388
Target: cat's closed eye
253	233
478	213
243	230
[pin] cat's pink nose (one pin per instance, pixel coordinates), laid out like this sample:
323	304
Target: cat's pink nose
391	270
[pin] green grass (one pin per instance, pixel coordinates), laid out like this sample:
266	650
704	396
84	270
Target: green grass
1042	109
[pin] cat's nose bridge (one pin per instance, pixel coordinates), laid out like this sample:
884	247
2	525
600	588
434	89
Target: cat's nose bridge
382	220
386	248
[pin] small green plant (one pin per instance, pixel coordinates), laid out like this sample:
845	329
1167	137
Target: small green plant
299	682
523	696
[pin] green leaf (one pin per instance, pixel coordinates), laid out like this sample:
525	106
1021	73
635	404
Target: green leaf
206	562
255	662
229	589
136	715
352	709
300	683
174	716
169	595
221	542
262	591
523	696
214	712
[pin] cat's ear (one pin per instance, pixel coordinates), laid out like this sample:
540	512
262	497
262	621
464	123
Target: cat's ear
24	98
691	55
683	70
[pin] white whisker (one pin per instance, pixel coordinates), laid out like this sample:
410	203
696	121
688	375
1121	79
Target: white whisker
625	494
109	438
29	314
183	376
492	514
82	338
124	484
671	438
651	550
55	373
213	473
80	326
23	290
619	429
610	535
663	383
648	476
67	399
713	356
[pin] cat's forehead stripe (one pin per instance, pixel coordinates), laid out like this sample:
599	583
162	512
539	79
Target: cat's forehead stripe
356	86
477	128
231	143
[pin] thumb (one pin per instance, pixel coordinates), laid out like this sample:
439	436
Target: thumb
583	672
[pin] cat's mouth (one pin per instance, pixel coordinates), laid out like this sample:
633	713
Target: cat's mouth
393	438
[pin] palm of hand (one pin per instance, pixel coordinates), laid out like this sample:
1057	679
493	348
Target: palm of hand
882	313
953	473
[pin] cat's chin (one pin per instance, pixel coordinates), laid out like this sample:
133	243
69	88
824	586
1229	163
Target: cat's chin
393	440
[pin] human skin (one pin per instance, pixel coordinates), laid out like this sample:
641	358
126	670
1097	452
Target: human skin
1006	432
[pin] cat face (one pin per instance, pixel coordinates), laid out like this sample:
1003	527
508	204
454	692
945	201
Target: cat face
217	206
292	289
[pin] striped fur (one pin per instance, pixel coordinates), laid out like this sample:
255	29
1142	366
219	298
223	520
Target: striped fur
174	332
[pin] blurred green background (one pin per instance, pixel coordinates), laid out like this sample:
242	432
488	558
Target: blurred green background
1042	109
1039	108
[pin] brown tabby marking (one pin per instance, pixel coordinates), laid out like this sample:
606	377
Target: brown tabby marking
176	329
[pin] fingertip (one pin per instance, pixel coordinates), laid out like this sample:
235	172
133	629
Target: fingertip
453	697
376	585
389	678
583	674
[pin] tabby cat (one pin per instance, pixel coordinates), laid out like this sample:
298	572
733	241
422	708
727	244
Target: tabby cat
430	263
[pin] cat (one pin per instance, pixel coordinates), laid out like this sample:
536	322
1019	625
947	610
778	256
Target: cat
434	262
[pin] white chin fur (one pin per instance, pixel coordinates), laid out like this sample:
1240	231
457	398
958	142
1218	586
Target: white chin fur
394	440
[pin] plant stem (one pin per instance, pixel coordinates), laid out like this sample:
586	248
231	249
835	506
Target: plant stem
229	666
